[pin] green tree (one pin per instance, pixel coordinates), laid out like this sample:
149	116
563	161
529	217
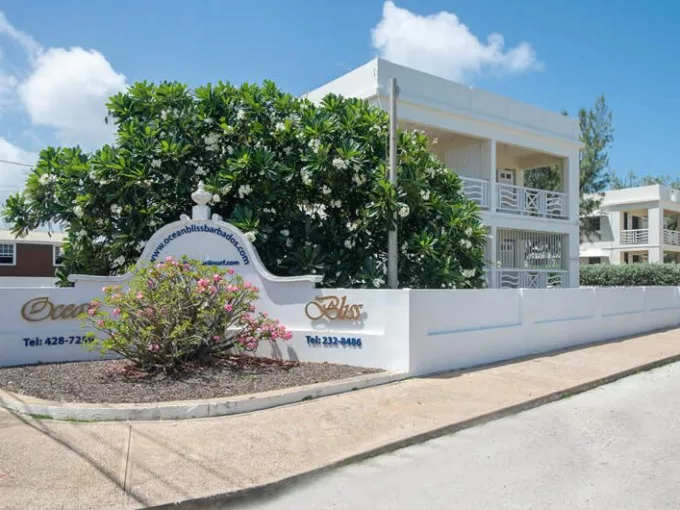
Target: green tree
306	183
597	135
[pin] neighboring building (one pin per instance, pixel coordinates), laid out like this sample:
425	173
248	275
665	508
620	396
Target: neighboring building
635	225
37	254
490	142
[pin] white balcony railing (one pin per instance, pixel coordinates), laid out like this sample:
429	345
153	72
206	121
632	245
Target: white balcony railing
639	236
531	278
476	190
671	237
530	201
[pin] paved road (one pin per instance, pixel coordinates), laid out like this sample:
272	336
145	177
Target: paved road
614	447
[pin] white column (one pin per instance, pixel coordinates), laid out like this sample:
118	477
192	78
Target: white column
572	180
492	178
492	258
573	251
655	224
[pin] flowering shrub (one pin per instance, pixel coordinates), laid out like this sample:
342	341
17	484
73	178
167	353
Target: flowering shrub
179	311
307	184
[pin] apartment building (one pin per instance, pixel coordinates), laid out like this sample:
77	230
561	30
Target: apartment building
634	225
36	255
491	142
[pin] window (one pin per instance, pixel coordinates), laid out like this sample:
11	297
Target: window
58	255
594	260
7	254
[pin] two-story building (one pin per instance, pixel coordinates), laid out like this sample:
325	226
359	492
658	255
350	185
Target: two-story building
634	225
491	142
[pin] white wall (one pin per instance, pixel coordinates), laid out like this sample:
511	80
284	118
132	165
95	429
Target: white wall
27	281
458	329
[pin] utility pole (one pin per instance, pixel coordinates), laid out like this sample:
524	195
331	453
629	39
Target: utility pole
392	261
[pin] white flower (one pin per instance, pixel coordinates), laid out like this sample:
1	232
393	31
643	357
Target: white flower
340	163
352	226
314	144
45	179
280	126
358	179
201	171
285	232
251	236
208	120
118	262
325	190
215	198
468	231
466	244
155	163
116	210
78	211
81	234
404	210
287	151
336	203
141	245
212	141
164	114
279	261
240	115
349	244
289	243
244	190
468	273
230	150
430	172
404	247
306	177
377	282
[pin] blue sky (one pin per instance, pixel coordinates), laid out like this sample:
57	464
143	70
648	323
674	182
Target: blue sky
59	60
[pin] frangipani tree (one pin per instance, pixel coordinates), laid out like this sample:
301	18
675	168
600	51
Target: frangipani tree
307	183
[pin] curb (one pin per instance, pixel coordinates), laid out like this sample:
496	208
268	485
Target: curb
273	489
183	410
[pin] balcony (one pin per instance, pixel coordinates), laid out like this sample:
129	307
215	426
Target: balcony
516	199
477	190
531	278
638	236
671	237
531	202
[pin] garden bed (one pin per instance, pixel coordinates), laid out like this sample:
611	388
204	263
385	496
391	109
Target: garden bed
115	381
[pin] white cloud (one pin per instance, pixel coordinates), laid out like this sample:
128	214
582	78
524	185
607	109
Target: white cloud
63	89
68	90
441	45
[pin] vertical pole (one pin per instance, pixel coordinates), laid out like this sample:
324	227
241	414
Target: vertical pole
392	261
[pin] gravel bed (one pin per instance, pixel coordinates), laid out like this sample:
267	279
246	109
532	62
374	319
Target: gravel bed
114	381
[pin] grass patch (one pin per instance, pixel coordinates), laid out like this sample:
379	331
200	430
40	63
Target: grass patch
40	416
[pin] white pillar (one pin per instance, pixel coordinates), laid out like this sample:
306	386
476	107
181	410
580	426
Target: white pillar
491	146
573	186
655	224
492	258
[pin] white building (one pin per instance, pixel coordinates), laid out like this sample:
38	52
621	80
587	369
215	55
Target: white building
635	225
490	142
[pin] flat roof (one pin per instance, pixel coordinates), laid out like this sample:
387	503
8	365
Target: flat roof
34	237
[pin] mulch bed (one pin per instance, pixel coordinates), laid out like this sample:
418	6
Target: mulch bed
116	381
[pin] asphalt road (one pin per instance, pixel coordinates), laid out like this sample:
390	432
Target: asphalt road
616	447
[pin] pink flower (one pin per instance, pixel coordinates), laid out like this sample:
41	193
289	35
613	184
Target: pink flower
139	295
116	312
91	311
228	307
251	308
213	289
187	266
169	258
216	338
105	289
150	283
202	282
154	347
230	270
246	285
100	323
217	277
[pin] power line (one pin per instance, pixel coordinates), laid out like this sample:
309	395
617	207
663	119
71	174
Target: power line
15	163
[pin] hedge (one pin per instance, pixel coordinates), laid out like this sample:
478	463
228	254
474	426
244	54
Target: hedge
630	275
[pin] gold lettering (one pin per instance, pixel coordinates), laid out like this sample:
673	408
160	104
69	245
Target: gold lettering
41	308
332	308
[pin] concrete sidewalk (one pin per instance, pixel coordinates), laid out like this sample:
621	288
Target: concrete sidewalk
47	464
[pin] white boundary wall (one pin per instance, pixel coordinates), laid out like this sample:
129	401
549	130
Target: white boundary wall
458	329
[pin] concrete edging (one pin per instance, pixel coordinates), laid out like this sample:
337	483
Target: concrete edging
272	489
182	410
